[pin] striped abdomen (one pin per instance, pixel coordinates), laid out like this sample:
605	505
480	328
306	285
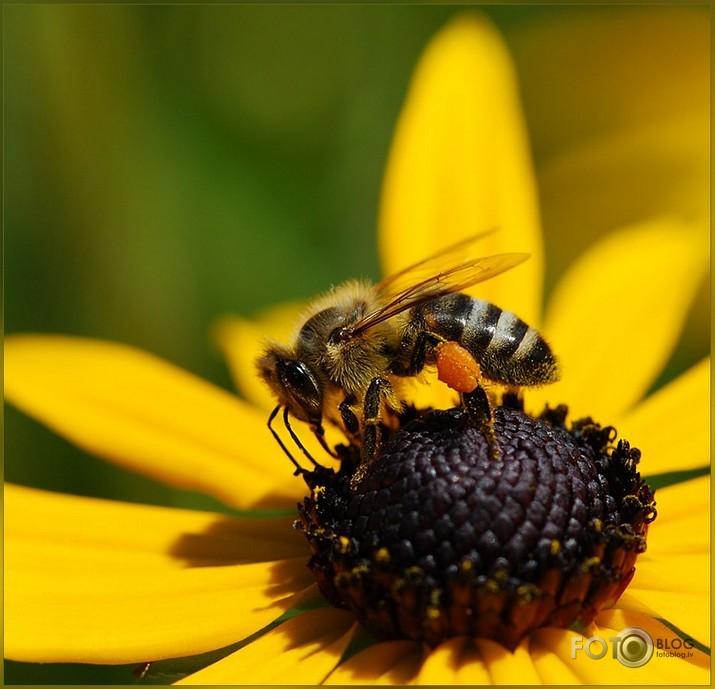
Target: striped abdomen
508	350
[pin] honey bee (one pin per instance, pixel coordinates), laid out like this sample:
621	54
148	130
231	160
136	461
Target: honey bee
359	342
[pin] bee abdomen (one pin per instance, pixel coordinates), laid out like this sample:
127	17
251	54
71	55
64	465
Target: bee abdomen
507	349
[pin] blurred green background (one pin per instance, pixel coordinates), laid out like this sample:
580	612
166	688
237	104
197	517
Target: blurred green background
165	165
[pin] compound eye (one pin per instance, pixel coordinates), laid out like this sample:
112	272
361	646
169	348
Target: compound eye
302	387
298	378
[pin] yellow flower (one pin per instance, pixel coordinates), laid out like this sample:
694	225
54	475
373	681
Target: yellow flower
94	581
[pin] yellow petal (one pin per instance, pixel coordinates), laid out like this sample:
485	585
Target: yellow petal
676	588
302	650
672	579
425	391
616	152
671	428
241	342
505	667
58	613
455	661
684	609
683	522
552	667
460	164
391	662
568	647
99	534
615	317
662	669
149	416
662	576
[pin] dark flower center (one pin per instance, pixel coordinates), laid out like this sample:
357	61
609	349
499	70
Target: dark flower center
441	539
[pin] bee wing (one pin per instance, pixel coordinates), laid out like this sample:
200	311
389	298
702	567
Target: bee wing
454	279
444	259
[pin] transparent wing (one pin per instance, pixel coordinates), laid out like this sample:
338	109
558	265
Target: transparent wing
444	259
453	279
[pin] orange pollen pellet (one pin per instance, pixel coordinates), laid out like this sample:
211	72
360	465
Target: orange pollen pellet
456	367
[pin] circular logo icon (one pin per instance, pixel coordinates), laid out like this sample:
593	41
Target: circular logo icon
635	648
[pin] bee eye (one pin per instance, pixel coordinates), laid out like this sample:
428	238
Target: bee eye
302	387
297	377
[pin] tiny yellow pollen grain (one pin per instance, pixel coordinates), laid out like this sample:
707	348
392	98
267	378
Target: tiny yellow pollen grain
555	547
527	592
501	575
434	613
382	555
491	586
590	564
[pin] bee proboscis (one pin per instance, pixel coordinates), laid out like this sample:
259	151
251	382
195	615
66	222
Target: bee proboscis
357	343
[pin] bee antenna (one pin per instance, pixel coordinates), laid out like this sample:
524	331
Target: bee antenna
296	440
298	468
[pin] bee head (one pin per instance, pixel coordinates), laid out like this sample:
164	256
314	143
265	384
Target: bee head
293	383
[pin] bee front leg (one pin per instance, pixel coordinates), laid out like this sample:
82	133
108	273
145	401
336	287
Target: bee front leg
479	411
372	406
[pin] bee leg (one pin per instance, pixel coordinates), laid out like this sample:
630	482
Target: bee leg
424	343
479	411
350	420
378	388
513	398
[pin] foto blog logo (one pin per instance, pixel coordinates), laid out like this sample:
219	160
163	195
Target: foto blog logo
632	647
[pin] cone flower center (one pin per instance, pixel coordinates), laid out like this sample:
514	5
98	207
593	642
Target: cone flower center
441	539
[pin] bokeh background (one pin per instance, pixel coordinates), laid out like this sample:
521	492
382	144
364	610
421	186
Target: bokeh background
166	165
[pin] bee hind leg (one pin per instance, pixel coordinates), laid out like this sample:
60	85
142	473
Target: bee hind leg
479	412
513	398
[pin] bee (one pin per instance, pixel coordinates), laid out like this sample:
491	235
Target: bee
358	343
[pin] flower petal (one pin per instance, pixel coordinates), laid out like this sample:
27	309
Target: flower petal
672	579
615	317
460	164
684	611
62	613
89	533
661	669
478	661
505	667
149	416
564	644
671	428
302	650
616	153
675	588
552	667
455	661
682	525
390	662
